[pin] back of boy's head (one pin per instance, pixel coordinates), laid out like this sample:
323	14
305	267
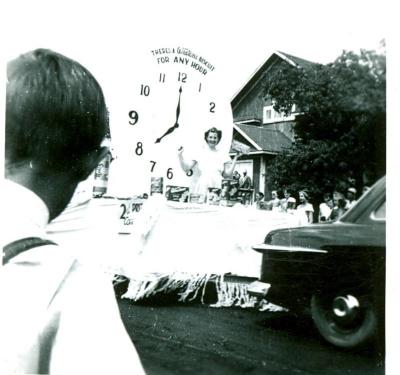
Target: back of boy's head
55	111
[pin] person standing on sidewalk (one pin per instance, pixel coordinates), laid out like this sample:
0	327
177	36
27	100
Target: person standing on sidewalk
58	316
245	181
305	210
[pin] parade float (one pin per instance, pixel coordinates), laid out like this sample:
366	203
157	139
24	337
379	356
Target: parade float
136	216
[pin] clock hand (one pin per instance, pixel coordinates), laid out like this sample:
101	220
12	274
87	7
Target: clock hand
169	131
176	125
178	108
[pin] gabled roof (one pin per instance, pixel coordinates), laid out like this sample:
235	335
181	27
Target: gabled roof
296	60
267	64
263	139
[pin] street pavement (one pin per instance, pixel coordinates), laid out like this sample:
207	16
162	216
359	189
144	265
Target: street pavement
178	339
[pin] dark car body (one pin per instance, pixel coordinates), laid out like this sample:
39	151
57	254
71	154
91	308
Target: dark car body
337	269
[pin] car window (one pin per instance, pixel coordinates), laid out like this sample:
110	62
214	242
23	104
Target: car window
364	209
380	212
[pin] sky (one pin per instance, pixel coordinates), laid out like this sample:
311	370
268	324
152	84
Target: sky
238	36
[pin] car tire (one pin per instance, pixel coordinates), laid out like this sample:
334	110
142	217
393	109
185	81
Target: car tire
344	333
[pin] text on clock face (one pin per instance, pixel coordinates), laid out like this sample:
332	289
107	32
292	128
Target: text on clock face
134	115
145	90
180	51
184	61
169	172
181	77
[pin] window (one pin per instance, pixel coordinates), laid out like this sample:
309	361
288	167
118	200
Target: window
270	115
380	212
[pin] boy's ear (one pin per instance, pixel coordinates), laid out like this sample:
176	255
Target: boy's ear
92	160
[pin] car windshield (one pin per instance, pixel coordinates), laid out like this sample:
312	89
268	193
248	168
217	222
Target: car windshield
367	203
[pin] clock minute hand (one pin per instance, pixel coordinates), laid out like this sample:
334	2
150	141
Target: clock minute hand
176	125
178	108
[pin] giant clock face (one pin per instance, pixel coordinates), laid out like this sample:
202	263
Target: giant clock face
172	97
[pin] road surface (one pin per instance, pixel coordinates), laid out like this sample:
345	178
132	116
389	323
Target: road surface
180	339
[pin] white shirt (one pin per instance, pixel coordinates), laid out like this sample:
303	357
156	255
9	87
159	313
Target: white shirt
324	211
24	213
302	211
207	173
57	315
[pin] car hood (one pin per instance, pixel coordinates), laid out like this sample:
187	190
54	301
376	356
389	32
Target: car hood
320	236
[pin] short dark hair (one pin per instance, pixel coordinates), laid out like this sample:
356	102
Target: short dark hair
341	203
327	195
213	130
55	110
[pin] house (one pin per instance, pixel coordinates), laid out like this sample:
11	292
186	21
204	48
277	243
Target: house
258	127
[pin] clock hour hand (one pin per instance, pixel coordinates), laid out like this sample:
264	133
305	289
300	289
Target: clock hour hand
169	131
176	125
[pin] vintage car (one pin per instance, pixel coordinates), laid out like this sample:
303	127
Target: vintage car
334	270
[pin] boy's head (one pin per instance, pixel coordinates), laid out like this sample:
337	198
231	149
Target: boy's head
55	111
56	119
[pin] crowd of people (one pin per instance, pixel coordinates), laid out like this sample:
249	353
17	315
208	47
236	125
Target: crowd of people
333	206
236	185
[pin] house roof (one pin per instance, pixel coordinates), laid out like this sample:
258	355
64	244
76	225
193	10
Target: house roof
263	139
258	74
297	60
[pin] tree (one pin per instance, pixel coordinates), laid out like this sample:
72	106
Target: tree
341	130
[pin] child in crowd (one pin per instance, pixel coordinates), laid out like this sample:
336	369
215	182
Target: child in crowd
325	208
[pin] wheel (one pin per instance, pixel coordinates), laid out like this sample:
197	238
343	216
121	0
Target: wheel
344	320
